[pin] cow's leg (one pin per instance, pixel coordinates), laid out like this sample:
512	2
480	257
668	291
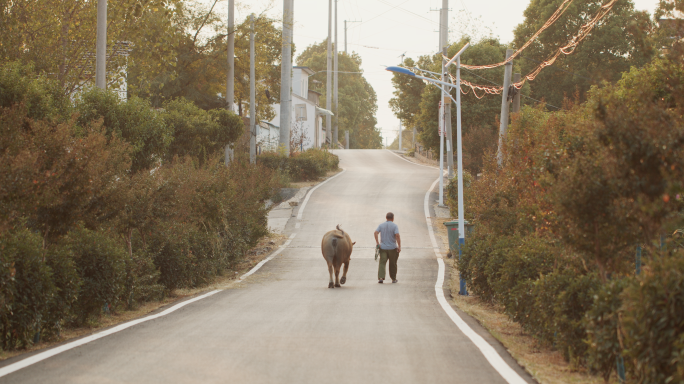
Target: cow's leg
337	275
330	271
344	272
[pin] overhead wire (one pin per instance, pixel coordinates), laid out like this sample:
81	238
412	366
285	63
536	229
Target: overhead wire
567	49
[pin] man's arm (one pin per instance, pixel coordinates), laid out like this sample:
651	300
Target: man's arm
376	233
398	242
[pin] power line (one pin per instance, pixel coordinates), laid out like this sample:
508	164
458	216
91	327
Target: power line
375	17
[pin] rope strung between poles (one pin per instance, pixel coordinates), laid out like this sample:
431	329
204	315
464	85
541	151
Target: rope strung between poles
566	50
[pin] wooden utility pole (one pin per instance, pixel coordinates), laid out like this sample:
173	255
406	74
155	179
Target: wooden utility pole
516	98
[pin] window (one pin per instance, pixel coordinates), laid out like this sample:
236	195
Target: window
300	112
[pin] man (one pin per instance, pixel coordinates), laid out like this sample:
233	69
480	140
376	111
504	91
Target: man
389	247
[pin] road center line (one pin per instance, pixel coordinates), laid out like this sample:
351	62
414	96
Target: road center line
487	350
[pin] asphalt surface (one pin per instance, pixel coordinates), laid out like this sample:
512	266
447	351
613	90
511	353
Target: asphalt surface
283	325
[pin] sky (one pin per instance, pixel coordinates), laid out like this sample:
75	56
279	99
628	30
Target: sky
388	28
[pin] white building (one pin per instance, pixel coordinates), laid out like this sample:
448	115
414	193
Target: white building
307	117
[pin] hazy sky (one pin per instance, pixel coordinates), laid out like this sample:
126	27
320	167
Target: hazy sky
392	27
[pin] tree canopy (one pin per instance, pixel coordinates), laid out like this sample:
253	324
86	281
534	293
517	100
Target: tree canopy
357	99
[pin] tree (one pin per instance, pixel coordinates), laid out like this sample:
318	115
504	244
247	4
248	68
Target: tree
58	37
618	41
189	60
418	103
357	99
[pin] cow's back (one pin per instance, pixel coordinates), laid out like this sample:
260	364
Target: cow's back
342	249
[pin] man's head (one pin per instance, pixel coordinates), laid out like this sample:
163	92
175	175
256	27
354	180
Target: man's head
389	216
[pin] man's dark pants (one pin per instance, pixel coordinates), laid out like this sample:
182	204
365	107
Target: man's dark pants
393	256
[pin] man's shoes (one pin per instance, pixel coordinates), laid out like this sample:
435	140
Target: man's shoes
395	281
380	281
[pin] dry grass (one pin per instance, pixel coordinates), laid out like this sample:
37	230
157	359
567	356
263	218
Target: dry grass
542	362
302	184
264	248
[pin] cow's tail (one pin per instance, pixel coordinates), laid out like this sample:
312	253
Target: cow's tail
334	246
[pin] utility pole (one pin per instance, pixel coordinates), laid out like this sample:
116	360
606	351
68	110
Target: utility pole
516	98
286	78
337	70
345	32
346	139
252	95
401	147
230	83
446	100
328	78
101	46
414	137
508	68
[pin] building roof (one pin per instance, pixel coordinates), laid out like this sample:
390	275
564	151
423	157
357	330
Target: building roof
305	69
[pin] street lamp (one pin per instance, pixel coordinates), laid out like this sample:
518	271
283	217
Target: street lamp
461	219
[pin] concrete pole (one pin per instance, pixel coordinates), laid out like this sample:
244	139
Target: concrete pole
446	100
516	98
328	80
401	146
337	70
345	37
230	82
101	46
414	137
459	151
508	68
252	95
286	78
346	139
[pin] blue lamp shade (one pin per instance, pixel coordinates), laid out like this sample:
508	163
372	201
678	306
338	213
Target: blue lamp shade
400	70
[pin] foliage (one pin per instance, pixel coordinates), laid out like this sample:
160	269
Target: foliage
311	164
42	98
602	323
451	191
101	263
133	121
653	322
26	288
58	37
356	97
619	41
199	133
558	222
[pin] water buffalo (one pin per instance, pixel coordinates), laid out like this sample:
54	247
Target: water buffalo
337	248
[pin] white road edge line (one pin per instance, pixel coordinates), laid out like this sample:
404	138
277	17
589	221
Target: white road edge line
264	261
409	161
308	195
487	350
4	371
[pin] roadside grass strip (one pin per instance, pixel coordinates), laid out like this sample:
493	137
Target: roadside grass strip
487	350
4	371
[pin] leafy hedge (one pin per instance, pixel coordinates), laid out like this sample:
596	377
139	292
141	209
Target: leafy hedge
311	164
113	205
557	226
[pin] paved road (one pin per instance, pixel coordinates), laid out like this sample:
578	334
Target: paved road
286	326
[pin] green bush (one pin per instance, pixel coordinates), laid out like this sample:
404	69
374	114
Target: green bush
27	288
602	324
311	164
101	263
41	96
142	279
133	120
67	283
653	322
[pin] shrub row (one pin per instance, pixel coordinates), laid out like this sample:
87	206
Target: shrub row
105	204
311	164
557	226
